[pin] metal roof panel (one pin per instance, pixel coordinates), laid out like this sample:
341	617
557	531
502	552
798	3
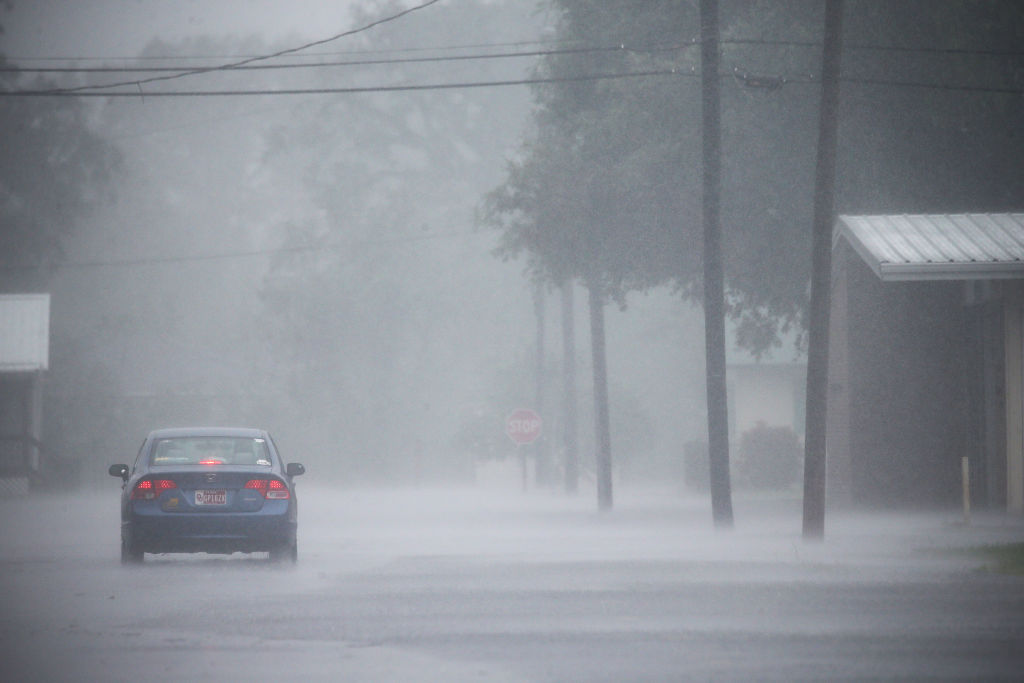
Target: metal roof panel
938	246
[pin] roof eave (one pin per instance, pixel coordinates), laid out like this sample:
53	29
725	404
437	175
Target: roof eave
893	272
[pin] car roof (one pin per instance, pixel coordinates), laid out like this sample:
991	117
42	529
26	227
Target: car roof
250	432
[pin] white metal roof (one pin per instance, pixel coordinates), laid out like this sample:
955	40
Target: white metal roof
976	246
24	332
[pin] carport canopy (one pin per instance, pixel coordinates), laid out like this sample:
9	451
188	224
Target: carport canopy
974	246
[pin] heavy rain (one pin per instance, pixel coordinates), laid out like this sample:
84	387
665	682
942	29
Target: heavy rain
620	341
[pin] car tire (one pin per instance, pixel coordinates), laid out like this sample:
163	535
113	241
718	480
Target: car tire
130	554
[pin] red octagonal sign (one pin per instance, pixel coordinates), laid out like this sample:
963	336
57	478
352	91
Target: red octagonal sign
523	426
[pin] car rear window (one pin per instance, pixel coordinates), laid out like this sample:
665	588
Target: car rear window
210	450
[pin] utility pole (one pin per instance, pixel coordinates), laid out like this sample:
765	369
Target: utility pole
821	277
714	276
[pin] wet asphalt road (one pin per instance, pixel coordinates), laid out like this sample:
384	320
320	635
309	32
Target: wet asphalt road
500	586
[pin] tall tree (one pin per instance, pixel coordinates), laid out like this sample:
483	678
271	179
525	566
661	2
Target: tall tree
602	419
581	201
53	169
569	443
542	466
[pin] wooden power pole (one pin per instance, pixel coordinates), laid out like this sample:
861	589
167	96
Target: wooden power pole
714	276
821	278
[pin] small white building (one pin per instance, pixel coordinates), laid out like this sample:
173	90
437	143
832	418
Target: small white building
24	357
768	390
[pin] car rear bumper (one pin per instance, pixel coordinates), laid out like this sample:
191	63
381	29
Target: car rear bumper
208	532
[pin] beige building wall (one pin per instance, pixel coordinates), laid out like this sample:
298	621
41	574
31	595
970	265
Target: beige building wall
769	393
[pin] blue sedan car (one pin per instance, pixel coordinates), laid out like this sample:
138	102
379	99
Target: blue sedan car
214	490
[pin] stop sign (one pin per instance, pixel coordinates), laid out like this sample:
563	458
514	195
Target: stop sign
523	426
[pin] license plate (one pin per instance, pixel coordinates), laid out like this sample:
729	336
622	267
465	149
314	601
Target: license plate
211	497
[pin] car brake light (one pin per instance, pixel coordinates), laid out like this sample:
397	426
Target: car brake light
277	490
211	461
272	489
150	489
143	490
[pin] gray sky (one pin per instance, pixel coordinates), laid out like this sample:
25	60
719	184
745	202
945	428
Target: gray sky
121	28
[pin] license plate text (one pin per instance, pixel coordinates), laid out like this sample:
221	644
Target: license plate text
211	497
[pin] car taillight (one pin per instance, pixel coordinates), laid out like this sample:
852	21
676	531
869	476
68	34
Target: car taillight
272	489
150	489
277	490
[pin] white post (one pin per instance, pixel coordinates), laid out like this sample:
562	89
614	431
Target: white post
965	473
523	467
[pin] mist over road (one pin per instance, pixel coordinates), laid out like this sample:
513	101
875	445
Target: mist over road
424	585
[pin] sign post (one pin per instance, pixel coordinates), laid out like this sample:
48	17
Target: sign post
523	427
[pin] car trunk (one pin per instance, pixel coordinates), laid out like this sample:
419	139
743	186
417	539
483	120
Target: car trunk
213	490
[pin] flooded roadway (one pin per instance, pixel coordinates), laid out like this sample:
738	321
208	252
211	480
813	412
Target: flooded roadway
483	585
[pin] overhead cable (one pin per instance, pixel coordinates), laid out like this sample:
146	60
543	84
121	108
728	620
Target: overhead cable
742	76
243	62
342	91
246	63
359	62
874	47
767	82
321	53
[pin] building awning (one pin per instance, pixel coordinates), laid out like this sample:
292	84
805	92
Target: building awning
977	246
24	332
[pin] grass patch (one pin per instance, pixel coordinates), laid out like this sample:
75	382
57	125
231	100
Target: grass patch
1005	559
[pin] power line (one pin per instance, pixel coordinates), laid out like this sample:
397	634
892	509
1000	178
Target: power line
759	81
250	60
934	86
751	80
869	47
343	91
360	62
247	60
769	82
313	54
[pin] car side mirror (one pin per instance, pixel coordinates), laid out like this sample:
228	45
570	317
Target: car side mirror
294	469
119	471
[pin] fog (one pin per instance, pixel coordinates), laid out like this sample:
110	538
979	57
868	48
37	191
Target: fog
325	266
241	273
